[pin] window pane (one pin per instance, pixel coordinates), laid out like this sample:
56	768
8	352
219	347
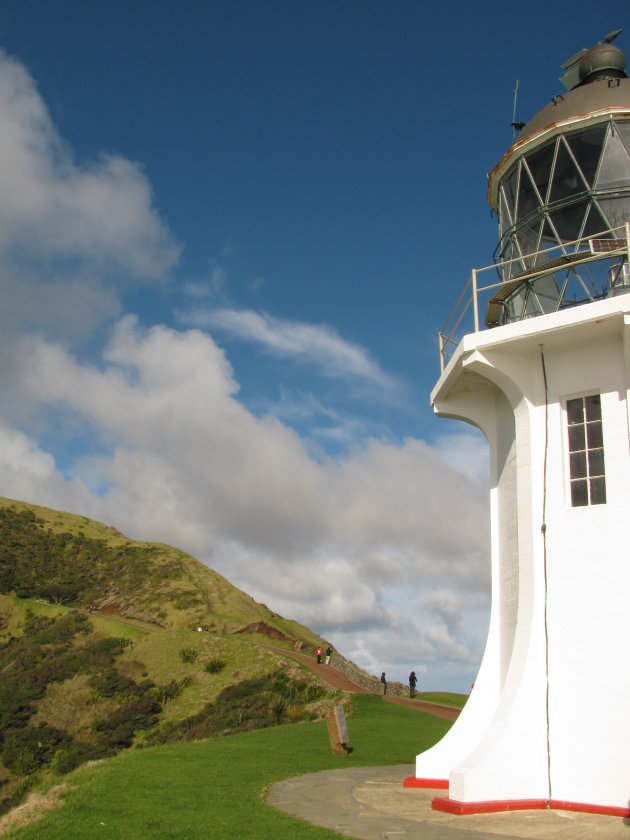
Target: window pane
566	180
595	222
510	191
593	407
598	491
576	438
569	221
595	463
587	147
527	198
575	411
579	493
616	210
614	170
624	130
540	167
594	435
578	464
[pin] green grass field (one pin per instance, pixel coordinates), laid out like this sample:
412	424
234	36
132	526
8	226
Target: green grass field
215	788
444	698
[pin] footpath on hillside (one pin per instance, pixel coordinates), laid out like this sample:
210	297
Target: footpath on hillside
328	674
337	679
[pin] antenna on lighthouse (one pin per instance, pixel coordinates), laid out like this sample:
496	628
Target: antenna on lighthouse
516	126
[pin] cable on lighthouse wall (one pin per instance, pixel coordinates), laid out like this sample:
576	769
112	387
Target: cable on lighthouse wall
543	530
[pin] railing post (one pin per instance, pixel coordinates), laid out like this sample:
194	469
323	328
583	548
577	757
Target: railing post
441	352
627	227
475	302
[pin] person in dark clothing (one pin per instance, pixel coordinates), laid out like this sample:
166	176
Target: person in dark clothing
413	681
328	654
384	681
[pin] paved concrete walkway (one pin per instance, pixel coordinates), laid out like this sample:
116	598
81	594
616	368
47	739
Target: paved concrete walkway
371	803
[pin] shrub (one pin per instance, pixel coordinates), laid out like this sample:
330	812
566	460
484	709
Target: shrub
118	728
65	760
110	682
215	665
164	693
188	655
278	708
110	646
27	749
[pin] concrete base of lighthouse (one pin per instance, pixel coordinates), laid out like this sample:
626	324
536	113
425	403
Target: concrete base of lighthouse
547	721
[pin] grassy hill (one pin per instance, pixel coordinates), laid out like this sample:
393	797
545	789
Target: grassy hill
100	648
71	559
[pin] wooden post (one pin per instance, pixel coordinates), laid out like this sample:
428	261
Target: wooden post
338	731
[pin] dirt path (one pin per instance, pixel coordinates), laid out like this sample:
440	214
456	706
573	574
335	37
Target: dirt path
336	679
327	673
435	709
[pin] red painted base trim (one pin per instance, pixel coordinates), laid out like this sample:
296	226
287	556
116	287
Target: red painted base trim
413	782
452	806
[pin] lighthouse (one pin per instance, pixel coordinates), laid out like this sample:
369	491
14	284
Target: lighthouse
537	355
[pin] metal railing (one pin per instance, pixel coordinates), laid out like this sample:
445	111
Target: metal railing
607	245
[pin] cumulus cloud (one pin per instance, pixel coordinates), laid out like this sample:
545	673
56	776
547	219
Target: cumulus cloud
147	432
72	237
335	543
314	344
52	207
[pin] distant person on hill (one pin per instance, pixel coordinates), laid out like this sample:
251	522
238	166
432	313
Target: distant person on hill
413	681
328	654
384	681
319	655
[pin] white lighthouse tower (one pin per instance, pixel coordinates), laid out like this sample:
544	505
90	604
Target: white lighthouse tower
547	380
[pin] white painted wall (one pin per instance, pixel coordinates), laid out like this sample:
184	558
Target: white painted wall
560	619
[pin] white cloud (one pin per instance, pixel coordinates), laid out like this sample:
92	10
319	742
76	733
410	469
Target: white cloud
313	344
361	548
71	237
338	545
466	452
51	207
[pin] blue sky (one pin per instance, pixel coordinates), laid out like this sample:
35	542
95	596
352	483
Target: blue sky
229	234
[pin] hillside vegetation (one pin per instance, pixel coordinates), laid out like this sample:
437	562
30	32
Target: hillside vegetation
107	643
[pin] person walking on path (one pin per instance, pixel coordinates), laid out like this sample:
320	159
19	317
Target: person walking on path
413	681
384	681
328	654
319	655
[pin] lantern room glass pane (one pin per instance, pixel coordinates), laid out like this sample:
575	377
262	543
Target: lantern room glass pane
614	170
540	166
587	148
509	190
566	179
527	198
624	131
595	223
569	221
616	210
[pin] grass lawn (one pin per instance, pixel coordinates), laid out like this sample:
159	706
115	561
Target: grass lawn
444	698
214	788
